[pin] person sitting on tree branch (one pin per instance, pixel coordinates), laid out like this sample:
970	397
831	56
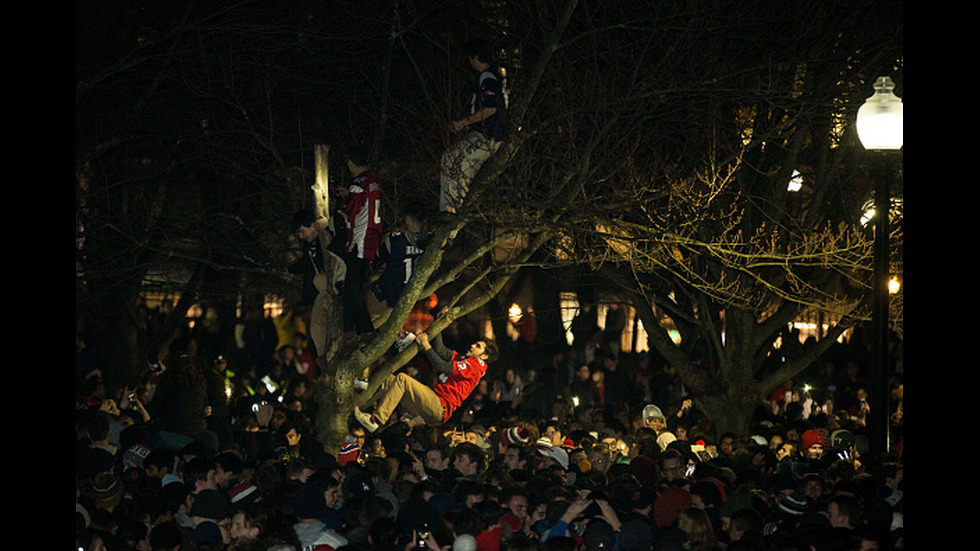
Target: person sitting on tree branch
457	376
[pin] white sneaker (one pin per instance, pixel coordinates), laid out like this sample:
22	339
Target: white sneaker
365	420
360	384
404	339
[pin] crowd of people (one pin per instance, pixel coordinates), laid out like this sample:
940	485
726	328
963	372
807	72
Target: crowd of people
595	450
534	458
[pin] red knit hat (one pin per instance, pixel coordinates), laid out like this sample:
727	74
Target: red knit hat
668	506
810	438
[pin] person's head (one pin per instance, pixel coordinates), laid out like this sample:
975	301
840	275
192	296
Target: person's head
468	492
654	418
484	349
358	435
468	459
812	445
292	433
477	53
228	466
600	457
813	486
553	432
302	225
672	465
515	457
437	458
200	473
696	523
332	493
414	217
358	159
160	462
248	523
726	444
745	521
844	511
298	386
280	415
784	451
515	500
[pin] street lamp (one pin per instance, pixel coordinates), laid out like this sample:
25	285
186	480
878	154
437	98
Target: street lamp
880	129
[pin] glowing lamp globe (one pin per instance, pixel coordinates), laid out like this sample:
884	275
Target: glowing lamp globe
880	119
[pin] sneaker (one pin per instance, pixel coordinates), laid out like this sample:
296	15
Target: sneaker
404	339
360	384
365	419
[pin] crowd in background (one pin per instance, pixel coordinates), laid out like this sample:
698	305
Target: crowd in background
589	449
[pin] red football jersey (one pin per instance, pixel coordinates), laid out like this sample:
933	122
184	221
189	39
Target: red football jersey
363	210
454	387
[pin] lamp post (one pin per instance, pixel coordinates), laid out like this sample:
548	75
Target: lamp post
880	129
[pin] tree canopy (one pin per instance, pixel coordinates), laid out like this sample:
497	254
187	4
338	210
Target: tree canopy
651	146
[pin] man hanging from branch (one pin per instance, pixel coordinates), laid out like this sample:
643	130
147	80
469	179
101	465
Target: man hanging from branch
457	376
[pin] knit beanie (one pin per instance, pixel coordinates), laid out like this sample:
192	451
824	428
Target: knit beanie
645	470
667	508
514	435
348	452
243	494
793	505
810	438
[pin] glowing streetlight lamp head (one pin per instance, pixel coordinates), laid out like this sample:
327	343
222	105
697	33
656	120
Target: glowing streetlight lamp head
880	120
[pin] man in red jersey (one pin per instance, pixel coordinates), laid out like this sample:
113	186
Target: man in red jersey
457	376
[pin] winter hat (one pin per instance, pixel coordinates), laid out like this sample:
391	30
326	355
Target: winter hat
667	508
348	452
665	439
206	535
514	435
810	438
813	477
793	504
243	494
645	470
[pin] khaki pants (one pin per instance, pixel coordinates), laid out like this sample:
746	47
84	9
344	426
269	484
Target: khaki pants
459	166
414	397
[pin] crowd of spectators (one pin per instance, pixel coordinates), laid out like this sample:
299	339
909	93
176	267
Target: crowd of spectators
596	450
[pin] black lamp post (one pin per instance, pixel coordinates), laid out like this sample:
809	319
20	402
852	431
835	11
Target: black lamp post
880	129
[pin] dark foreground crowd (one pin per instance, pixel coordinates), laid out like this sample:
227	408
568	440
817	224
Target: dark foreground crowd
602	474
